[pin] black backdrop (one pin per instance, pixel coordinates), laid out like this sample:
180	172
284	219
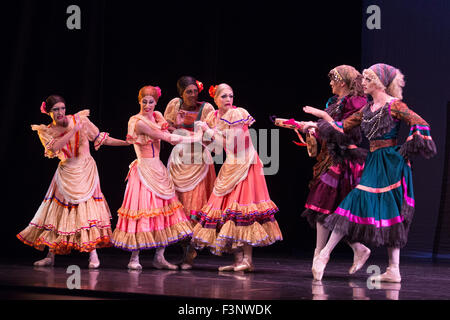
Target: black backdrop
276	56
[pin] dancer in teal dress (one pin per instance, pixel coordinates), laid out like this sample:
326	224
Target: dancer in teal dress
379	211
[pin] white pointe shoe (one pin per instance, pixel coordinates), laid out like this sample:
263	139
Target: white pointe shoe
319	264
391	275
134	265
46	262
245	265
94	262
359	259
161	263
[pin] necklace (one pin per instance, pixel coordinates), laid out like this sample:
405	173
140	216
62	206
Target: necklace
372	122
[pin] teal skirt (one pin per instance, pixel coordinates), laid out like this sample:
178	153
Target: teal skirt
379	211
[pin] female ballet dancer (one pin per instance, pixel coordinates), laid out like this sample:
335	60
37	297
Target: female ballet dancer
380	209
74	213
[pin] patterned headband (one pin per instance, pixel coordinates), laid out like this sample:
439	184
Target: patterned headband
384	72
334	75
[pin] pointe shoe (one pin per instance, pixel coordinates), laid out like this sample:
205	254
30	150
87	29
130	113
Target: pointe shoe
161	263
391	275
134	265
94	263
319	264
46	262
245	265
189	260
359	260
227	268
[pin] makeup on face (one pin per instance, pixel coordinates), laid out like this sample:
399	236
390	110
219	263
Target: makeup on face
58	113
148	104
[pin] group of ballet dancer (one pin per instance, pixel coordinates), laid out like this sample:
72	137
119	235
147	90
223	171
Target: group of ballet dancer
363	197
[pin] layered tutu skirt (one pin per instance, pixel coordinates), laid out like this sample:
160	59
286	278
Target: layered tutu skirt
147	220
243	216
63	224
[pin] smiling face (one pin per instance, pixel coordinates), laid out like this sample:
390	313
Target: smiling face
58	114
224	99
148	104
190	95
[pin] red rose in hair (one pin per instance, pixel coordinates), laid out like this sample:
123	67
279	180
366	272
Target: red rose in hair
212	91
199	85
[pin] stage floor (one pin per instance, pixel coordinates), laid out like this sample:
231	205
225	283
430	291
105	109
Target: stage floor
273	279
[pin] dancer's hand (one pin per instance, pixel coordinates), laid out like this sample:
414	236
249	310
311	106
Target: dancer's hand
202	125
314	111
180	117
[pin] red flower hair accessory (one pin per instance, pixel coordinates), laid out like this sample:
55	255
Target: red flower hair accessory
199	85
158	90
212	91
43	105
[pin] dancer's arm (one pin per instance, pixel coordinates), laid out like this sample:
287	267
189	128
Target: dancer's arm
59	143
115	142
142	128
318	113
419	140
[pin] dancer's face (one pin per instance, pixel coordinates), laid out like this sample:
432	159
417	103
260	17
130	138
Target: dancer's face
58	114
224	100
148	104
190	95
369	85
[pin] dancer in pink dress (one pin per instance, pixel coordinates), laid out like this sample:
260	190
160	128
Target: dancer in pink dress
74	213
239	214
151	216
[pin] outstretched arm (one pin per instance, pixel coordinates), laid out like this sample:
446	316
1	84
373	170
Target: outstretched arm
318	113
116	142
142	128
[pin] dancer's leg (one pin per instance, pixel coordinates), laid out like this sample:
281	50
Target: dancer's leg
189	255
247	262
392	273
360	255
134	261
48	261
322	234
321	260
159	262
238	257
94	262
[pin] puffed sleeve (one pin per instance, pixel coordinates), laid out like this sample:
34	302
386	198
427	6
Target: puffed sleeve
160	120
419	140
92	132
170	114
237	116
47	140
207	109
